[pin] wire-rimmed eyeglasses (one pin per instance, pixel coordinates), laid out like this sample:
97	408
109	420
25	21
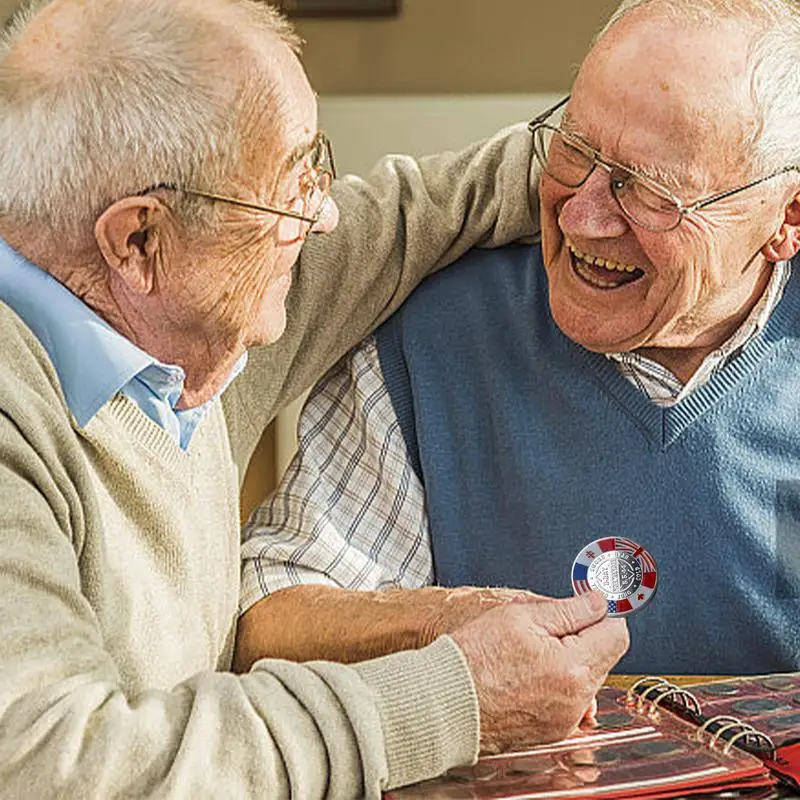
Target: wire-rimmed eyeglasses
316	187
570	161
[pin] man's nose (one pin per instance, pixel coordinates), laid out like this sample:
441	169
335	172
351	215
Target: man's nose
592	211
328	217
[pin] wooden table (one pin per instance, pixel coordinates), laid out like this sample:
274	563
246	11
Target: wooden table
626	681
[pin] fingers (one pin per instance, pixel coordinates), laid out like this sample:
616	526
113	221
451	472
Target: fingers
600	646
569	615
537	665
590	715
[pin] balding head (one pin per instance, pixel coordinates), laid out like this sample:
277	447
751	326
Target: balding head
103	99
763	13
769	32
693	79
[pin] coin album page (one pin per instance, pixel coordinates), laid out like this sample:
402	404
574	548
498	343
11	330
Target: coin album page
654	741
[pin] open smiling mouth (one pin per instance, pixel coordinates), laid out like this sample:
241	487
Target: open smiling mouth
603	273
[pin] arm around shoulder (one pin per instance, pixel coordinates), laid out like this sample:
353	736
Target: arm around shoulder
406	219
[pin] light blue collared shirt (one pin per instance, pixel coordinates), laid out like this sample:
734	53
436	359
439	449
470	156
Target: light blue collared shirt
92	360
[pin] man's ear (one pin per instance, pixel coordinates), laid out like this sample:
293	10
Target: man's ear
786	242
129	236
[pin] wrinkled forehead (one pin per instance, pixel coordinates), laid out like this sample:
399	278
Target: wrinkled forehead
650	42
657	90
280	117
298	110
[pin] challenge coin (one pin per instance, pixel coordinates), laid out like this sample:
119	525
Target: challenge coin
619	568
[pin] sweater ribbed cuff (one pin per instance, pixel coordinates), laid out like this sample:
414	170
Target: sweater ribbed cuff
429	710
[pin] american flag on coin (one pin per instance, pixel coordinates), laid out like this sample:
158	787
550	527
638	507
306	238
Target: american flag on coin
619	568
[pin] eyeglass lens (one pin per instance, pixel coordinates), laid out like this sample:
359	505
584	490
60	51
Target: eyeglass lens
570	162
315	188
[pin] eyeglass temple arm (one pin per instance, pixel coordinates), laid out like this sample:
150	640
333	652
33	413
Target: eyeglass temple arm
329	148
233	201
713	199
545	114
252	206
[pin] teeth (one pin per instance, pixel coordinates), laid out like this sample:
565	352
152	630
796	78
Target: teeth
595	281
605	263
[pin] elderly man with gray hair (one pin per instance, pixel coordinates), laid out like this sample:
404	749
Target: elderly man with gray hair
637	374
160	171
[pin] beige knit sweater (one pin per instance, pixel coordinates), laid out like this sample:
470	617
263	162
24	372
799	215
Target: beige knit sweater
119	553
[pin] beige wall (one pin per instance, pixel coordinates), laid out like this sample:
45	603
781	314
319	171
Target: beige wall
454	46
449	46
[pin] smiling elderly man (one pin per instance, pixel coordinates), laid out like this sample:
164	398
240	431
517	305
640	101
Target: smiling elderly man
637	374
161	167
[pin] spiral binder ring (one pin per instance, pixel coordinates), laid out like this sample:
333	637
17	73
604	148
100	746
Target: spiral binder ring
718	734
720	718
643	698
638	698
661	689
633	695
751	734
686	698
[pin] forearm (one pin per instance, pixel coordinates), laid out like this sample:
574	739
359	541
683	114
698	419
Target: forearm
348	626
284	730
73	723
70	728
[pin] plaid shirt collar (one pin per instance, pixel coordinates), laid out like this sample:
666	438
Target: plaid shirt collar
664	388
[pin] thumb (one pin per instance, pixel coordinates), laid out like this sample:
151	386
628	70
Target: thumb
570	615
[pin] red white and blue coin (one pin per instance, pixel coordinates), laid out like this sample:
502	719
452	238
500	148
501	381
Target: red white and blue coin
619	568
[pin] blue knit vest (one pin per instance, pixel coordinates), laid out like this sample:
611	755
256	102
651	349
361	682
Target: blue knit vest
530	447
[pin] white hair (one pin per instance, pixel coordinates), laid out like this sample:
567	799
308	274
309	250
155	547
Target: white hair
773	60
134	96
